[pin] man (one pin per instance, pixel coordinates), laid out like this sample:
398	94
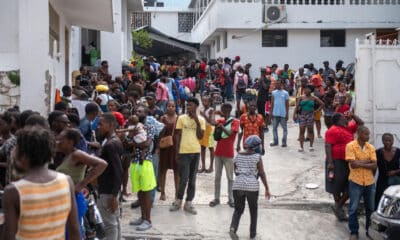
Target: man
143	156
240	85
202	74
337	175
362	163
42	204
227	70
224	153
298	76
280	113
103	73
83	83
263	94
85	125
327	71
67	95
251	123
109	182
189	130
153	109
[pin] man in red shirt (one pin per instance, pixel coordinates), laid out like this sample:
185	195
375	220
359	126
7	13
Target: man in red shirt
224	153
337	169
203	74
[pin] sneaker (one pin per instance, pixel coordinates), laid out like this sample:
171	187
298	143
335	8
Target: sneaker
214	203
135	204
176	206
144	226
284	145
136	222
300	150
188	207
273	144
231	204
311	149
233	235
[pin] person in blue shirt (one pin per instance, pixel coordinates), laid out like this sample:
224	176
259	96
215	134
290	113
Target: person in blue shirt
280	113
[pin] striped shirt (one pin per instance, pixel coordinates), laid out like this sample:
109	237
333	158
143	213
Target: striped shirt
44	208
246	172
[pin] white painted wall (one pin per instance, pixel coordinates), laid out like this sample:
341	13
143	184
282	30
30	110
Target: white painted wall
377	90
9	35
167	23
303	47
249	16
75	56
33	53
111	43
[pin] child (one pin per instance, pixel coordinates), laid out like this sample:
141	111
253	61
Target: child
208	140
133	125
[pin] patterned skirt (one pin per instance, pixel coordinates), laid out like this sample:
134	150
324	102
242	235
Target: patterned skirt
306	118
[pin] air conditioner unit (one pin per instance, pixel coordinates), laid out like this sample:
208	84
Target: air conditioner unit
274	13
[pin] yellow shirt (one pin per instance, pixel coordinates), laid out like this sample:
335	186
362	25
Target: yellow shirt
360	176
189	141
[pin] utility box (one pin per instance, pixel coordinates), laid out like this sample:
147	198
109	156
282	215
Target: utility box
377	74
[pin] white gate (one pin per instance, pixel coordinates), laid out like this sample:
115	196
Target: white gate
378	87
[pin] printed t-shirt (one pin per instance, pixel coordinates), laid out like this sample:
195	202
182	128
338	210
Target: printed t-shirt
225	145
189	141
251	125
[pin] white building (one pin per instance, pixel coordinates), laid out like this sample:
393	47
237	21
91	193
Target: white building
290	31
39	38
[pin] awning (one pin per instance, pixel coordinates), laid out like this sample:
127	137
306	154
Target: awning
165	46
91	14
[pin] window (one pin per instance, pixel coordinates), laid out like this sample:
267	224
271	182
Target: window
274	38
185	22
54	29
333	38
225	40
218	43
140	19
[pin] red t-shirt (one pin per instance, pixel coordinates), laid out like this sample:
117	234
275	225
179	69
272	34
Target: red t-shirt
225	146
251	125
203	67
343	108
339	137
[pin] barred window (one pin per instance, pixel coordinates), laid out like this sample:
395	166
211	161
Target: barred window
140	19
185	22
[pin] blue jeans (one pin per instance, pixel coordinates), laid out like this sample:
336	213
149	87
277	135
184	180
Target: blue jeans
275	122
202	85
155	166
356	192
229	90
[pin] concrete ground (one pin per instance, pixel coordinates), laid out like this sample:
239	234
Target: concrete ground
293	212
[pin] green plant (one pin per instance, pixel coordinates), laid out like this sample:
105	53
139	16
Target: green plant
142	38
14	77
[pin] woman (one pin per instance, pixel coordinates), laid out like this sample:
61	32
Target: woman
342	100
30	209
162	94
248	166
103	97
304	113
388	164
329	95
337	169
207	141
75	164
168	155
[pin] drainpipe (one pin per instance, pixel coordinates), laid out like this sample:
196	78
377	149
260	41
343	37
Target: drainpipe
373	69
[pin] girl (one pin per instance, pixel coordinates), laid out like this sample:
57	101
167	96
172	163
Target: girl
168	155
248	166
75	164
304	112
207	141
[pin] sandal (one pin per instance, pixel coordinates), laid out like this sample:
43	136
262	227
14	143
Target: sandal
209	170
201	170
214	203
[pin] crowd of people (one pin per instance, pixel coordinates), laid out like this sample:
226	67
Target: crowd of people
105	131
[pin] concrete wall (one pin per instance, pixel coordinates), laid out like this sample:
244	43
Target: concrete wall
111	43
303	47
167	23
377	89
249	16
9	35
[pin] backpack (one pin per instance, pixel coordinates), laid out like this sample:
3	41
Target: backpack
218	130
241	84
